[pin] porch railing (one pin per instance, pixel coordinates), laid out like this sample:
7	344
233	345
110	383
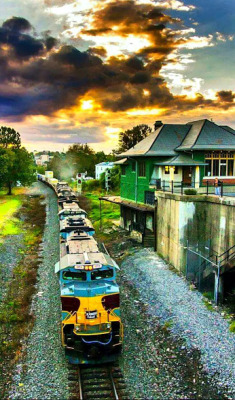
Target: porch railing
205	187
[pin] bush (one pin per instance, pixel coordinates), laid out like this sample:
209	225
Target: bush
91	185
191	192
232	327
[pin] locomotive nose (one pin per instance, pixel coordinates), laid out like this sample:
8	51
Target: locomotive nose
94	352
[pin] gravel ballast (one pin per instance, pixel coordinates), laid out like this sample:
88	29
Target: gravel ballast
166	298
43	373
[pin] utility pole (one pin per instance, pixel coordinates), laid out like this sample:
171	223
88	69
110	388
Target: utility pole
107	179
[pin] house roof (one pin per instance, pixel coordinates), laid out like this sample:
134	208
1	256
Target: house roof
206	135
162	142
180	159
168	139
121	162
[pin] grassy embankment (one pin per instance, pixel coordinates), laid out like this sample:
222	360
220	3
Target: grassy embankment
26	215
109	217
9	205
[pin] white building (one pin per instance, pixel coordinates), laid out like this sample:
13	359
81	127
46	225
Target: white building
42	159
101	167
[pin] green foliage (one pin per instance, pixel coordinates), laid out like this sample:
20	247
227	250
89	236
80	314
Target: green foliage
109	212
131	137
232	327
79	158
9	225
41	169
16	163
9	138
168	325
91	185
115	177
191	192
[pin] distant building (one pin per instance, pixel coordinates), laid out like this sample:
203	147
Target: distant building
102	167
42	159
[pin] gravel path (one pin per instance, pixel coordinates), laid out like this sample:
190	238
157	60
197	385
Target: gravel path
10	255
43	374
167	296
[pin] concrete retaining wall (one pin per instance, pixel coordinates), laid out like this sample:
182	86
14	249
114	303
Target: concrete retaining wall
193	218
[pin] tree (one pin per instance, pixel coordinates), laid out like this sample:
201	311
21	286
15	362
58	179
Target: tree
16	163
9	138
18	167
131	137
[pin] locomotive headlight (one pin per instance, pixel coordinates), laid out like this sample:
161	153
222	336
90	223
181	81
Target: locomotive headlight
77	328
108	326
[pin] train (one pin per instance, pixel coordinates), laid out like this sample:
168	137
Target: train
91	326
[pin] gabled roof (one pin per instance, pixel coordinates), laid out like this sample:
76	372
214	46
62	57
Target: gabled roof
162	142
206	135
168	139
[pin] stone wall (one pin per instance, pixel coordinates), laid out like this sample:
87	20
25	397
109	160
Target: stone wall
194	219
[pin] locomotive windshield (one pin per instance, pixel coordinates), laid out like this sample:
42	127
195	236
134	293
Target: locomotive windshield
99	274
74	276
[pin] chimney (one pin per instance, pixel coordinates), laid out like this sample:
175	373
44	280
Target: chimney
157	124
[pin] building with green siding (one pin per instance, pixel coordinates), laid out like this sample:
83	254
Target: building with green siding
178	155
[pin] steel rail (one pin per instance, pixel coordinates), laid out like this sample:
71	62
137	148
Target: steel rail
113	384
80	384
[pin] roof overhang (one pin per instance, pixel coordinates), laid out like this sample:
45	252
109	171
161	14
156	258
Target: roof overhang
180	160
121	162
128	203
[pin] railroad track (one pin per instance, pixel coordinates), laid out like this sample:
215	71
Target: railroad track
97	382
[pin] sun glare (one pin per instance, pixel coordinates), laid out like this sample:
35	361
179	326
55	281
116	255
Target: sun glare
87	104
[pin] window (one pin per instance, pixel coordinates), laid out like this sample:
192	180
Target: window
219	163
223	168
133	166
167	169
142	171
215	167
230	167
208	169
74	276
123	170
102	274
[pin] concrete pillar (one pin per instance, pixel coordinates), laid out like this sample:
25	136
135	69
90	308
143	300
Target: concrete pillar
197	177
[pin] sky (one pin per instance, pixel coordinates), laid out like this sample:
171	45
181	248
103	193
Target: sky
81	71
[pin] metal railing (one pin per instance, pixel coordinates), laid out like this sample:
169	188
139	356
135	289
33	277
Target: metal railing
226	256
205	187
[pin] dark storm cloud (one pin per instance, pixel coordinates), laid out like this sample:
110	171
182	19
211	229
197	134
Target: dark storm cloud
21	45
39	76
226	96
17	24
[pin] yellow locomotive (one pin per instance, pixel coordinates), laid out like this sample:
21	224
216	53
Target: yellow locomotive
92	331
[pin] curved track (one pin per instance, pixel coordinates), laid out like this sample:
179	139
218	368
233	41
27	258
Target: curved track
98	382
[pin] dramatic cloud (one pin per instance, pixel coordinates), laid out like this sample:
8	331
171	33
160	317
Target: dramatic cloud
112	61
